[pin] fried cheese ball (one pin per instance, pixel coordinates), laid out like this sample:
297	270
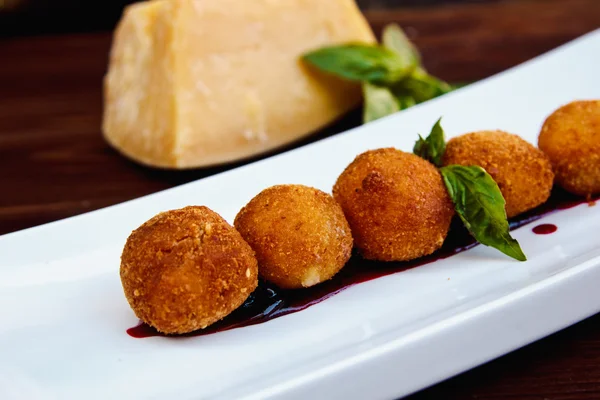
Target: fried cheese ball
396	204
571	138
299	233
522	171
185	269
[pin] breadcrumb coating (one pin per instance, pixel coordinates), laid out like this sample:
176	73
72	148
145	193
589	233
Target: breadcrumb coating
570	137
185	269
522	171
299	233
396	204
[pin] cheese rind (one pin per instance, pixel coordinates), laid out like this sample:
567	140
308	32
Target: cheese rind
194	83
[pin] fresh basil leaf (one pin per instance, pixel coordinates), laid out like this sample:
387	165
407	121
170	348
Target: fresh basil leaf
432	149
393	38
359	62
437	143
405	100
421	148
378	102
458	85
480	205
423	86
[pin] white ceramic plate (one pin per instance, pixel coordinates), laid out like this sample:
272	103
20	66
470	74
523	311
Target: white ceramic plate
63	314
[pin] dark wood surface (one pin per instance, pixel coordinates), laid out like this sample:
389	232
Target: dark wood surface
55	164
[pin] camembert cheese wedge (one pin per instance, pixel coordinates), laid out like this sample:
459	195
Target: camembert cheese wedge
194	83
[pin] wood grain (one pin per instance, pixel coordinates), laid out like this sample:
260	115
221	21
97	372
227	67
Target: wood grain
54	163
28	17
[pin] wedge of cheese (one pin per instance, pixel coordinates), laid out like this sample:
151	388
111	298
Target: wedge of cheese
194	83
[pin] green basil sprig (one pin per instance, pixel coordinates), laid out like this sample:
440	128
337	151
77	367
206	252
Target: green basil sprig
477	198
419	85
480	205
391	73
359	62
379	102
393	38
433	147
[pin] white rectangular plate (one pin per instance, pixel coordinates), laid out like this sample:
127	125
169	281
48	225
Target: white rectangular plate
63	314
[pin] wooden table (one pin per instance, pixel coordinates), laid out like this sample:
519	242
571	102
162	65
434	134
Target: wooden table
54	163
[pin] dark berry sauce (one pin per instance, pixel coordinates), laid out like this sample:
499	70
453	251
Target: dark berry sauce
544	229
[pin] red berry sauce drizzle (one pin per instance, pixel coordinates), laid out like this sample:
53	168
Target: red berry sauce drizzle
544	229
268	302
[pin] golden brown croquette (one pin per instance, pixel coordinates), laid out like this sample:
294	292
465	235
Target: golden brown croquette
186	269
570	137
396	204
299	234
522	171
